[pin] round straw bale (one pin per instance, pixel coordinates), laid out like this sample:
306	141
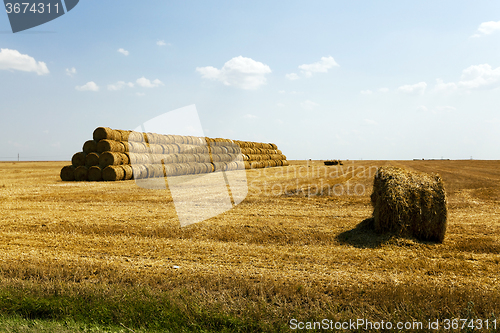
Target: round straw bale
170	169
68	173
134	136
136	147
150	171
409	204
123	135
95	174
139	171
112	158
155	148
178	139
219	166
273	146
90	146
102	133
91	159
110	145
78	159
113	173
81	173
128	172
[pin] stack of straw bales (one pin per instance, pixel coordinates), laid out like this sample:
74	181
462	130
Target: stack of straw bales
409	204
122	155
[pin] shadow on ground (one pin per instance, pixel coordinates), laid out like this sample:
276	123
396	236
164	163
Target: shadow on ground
363	236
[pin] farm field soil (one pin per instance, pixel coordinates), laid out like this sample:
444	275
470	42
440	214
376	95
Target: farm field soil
298	247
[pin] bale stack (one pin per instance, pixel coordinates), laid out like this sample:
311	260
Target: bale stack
409	204
115	155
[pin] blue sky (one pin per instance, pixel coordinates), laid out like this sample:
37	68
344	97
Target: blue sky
322	79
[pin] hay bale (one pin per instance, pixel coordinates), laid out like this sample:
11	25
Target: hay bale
409	204
111	145
95	174
134	136
101	133
139	171
91	159
128	172
81	173
112	158
113	173
90	146
78	159
137	147
68	173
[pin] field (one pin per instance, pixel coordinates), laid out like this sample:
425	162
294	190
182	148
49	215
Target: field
299	247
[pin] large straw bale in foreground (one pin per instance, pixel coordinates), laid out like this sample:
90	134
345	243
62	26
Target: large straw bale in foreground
409	203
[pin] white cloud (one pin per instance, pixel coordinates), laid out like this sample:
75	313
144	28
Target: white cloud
281	105
12	59
479	76
146	83
140	94
162	43
417	88
241	72
321	66
309	105
441	86
487	28
370	121
292	76
123	51
446	108
89	86
473	77
250	116
366	92
384	90
422	108
120	85
71	71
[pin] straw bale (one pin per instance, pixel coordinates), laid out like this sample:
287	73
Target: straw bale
113	173
123	135
68	173
134	136
111	145
137	147
81	173
139	171
409	204
128	172
90	146
107	133
78	159
112	158
170	169
95	174
91	159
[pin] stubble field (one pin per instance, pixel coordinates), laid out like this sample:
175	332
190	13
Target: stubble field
297	249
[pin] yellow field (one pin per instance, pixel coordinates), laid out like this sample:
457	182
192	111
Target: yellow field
305	253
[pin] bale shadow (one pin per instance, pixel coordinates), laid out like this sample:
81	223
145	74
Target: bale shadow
363	236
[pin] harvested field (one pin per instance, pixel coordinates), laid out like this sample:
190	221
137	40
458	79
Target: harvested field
299	246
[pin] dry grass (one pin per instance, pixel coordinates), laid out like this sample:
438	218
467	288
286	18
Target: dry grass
296	247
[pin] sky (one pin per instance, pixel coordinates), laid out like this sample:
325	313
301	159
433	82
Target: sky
321	79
